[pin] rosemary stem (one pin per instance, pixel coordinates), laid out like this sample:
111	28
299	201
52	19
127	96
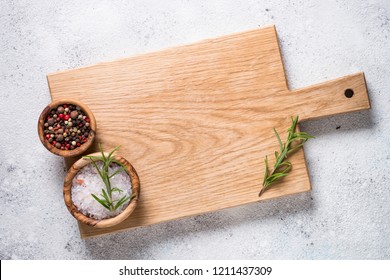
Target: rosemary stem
106	197
282	167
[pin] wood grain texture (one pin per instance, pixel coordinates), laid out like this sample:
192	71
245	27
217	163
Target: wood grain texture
196	121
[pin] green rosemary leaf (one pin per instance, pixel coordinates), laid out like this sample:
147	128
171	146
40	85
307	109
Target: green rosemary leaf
100	201
282	156
92	157
287	168
116	190
276	176
117	171
121	201
101	151
266	169
111	153
105	196
118	162
297	147
280	141
293	126
98	170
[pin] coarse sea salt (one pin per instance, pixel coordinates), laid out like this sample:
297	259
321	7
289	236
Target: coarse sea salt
88	181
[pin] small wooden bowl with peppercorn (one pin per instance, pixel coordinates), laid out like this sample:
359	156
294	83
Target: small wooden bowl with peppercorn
67	127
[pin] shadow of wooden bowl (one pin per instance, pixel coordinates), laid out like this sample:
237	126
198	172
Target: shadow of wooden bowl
66	153
104	223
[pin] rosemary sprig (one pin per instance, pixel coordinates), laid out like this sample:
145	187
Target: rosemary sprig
282	167
106	195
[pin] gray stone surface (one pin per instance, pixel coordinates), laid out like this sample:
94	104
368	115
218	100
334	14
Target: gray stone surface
346	216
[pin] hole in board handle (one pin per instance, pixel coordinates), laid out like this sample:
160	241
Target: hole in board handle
348	93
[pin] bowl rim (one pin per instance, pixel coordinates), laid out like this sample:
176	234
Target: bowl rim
104	223
66	153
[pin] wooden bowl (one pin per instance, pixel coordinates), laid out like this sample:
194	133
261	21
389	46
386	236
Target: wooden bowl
104	223
66	153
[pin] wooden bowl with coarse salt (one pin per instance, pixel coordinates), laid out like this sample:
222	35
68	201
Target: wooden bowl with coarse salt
66	119
83	206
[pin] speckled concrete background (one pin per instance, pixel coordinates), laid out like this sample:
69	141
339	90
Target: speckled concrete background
346	216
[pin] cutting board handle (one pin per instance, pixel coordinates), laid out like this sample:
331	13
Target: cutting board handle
343	95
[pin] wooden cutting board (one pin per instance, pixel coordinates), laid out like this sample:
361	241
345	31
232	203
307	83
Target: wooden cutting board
196	121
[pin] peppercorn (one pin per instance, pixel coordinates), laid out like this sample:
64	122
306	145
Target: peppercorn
74	114
67	127
60	109
50	121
